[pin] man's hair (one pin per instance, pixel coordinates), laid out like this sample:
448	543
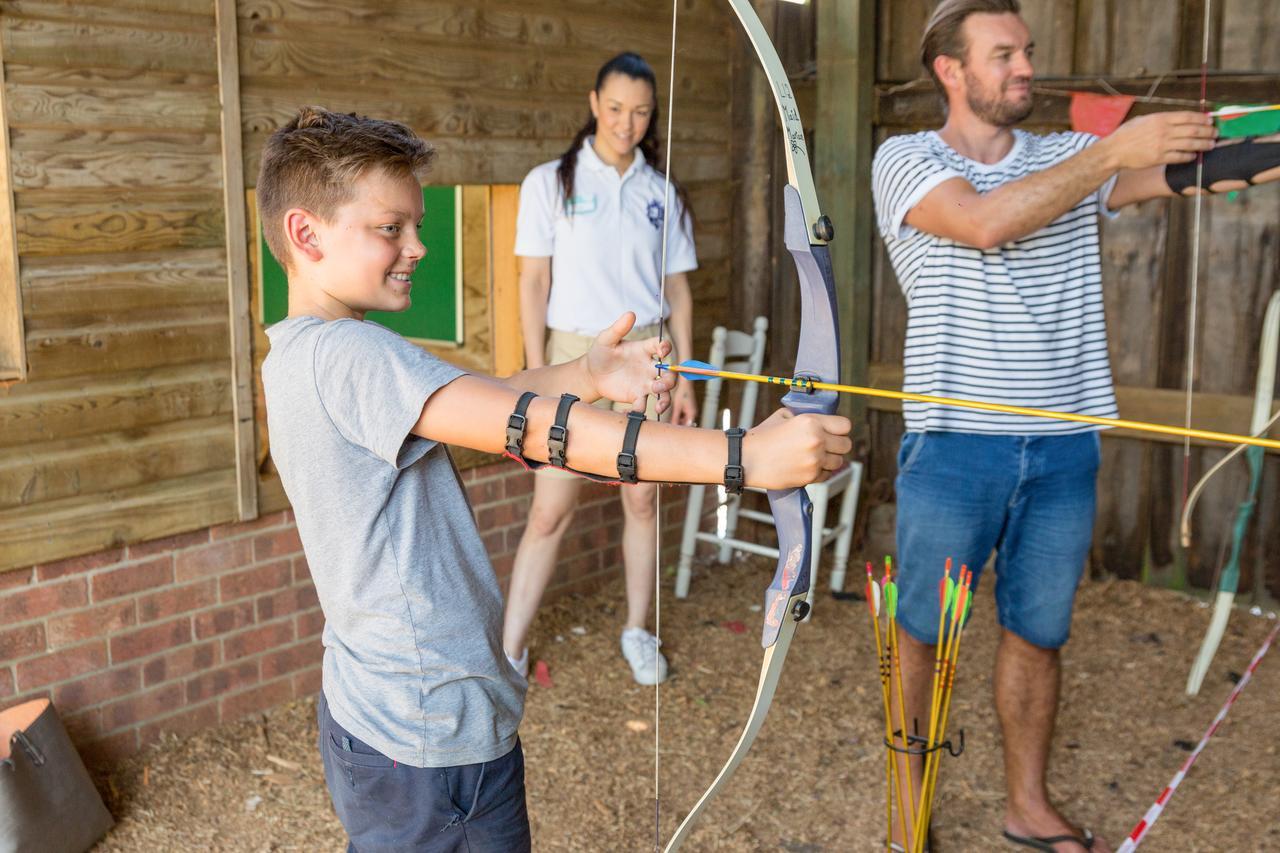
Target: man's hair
313	163
944	34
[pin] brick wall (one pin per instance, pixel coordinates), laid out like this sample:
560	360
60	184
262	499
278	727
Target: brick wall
183	633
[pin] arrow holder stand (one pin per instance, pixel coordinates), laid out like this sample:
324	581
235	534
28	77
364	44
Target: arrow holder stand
917	745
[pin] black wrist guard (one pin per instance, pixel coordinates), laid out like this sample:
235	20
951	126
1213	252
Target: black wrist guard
1242	161
558	435
627	456
734	476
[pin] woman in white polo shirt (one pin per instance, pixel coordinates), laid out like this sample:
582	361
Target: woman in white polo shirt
589	234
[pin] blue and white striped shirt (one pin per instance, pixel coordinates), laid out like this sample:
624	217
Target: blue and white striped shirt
1020	324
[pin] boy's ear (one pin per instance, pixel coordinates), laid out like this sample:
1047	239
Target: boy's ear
300	234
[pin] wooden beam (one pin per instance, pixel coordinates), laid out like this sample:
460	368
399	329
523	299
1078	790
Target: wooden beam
13	358
237	236
1216	412
846	103
504	280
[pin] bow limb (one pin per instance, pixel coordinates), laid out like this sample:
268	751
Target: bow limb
806	232
1228	582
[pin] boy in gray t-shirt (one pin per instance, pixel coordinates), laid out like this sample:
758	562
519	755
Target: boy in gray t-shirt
419	708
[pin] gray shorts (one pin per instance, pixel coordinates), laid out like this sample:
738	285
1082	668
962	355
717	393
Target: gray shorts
386	806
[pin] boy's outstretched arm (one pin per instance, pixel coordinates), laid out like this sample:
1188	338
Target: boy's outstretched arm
784	451
617	369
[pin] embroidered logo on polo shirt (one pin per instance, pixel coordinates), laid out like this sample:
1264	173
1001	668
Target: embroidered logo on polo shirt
581	204
655	213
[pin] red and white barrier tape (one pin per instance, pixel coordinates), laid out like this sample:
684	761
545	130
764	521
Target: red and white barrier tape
1144	825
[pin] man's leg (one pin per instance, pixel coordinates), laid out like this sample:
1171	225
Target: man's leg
1041	559
952	491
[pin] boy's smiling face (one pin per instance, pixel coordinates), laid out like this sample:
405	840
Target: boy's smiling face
361	258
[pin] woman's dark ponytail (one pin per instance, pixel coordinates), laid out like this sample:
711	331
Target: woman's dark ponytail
632	65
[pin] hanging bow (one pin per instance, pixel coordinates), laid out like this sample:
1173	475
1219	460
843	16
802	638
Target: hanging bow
806	234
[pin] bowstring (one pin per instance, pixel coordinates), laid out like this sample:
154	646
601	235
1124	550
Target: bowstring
1193	304
657	494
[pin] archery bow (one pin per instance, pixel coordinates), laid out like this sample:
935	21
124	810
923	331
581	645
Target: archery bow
806	232
1264	395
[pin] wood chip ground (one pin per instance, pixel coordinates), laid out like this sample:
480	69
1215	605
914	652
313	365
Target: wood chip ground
814	780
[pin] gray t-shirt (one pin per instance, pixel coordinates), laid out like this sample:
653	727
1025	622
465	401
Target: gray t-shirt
413	661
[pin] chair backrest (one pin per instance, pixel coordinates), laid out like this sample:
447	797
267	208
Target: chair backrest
742	353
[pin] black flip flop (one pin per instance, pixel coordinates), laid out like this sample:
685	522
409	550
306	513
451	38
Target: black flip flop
1046	842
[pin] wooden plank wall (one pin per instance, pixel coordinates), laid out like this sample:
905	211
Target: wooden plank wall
122	430
1147	257
498	87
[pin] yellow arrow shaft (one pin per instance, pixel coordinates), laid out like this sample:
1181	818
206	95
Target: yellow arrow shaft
1119	423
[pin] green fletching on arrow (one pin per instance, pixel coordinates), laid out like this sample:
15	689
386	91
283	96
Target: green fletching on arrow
891	599
1249	124
951	594
968	605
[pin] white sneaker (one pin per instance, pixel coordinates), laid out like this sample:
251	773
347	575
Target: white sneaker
521	664
640	648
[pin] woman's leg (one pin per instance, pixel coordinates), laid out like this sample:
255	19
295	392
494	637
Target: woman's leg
554	498
639	549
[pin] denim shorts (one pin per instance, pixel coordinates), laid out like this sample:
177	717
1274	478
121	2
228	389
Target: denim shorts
386	806
1029	498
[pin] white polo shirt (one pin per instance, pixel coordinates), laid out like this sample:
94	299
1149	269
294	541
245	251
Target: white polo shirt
605	245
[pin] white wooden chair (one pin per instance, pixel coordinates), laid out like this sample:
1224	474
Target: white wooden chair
740	352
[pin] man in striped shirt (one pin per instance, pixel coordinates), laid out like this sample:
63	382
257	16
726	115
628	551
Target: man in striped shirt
993	235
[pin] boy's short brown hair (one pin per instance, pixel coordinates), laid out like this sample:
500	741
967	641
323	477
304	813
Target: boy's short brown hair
314	161
944	34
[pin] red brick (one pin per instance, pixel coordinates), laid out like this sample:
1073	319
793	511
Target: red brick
211	685
133	578
77	565
498	515
105	753
287	601
291	659
484	492
213	559
307	682
61	665
180	663
169	544
143	706
90	624
301	571
32	602
310	623
224	619
518	486
84	726
97	688
16	578
150	640
186	723
7	688
178	599
230	531
257	640
277	544
22	642
256	699
255	580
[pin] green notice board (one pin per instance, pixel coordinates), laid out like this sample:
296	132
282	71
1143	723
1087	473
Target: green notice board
436	313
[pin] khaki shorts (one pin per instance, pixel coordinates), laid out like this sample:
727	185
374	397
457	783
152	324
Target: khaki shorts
566	346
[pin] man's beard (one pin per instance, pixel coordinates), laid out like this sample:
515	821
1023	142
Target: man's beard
995	110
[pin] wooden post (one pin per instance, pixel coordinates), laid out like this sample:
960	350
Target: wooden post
504	287
13	351
237	261
846	101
